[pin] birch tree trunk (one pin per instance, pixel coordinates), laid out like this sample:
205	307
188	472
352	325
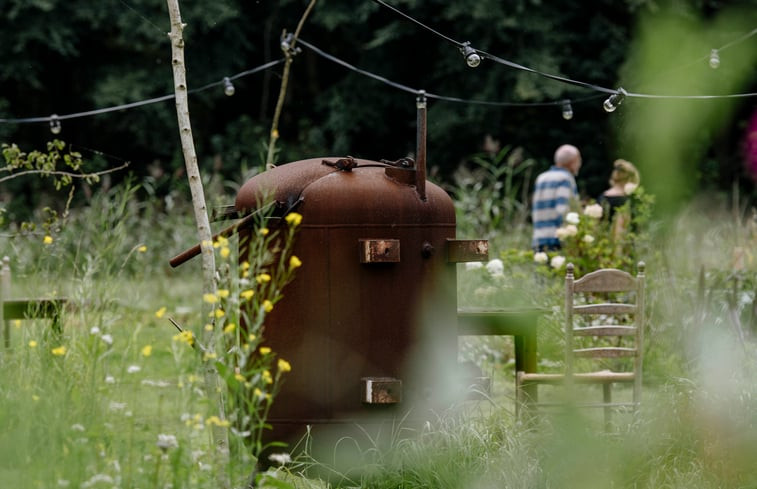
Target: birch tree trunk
220	436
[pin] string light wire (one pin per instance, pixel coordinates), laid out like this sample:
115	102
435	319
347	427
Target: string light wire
567	80
140	103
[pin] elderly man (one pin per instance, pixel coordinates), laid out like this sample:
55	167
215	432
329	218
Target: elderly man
553	192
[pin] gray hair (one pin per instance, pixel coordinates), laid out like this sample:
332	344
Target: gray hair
565	154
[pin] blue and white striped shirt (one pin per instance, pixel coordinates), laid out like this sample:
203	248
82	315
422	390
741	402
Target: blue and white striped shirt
553	191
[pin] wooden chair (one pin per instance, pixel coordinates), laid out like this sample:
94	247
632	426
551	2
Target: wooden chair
16	308
604	326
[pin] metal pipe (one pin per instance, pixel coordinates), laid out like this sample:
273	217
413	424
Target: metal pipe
420	153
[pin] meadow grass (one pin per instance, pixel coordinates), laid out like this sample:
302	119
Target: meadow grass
124	406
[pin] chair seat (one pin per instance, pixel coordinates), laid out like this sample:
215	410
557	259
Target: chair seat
600	377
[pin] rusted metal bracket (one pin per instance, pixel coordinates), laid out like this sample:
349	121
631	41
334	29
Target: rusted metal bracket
343	164
467	250
380	390
379	250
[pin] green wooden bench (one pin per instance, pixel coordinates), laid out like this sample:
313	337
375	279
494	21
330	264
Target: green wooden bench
23	308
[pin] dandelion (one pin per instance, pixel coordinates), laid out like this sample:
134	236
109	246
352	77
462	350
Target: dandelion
284	366
225	252
147	350
222	293
185	337
294	262
32	344
264	350
215	420
263	278
557	262
167	441
263	231
132	369
293	219
210	298
59	351
588	239
540	257
160	312
48	240
593	210
572	218
280	458
142	249
247	294
267	305
495	267
219	313
229	328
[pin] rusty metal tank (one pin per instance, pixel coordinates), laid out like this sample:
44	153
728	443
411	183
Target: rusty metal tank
369	322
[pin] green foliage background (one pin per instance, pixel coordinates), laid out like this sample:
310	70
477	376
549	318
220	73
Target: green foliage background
70	56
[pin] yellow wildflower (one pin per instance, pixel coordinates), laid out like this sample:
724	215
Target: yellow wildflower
160	312
192	378
225	252
267	377
208	327
217	421
222	293
247	294
275	134
16	323
239	377
142	249
147	350
210	298
263	278
221	242
185	337
245	265
264	350
294	262
257	392
209	356
59	351
284	366
32	344
251	337
219	313
264	231
47	239
293	219
267	305
230	328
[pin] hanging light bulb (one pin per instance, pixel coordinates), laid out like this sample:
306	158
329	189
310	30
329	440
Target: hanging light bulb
55	126
614	100
228	87
567	110
714	59
472	58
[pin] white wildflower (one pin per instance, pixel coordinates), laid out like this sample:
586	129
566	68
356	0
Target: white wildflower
557	262
572	218
167	441
630	188
77	427
593	210
117	406
588	238
94	330
109	379
473	265
280	458
133	369
156	383
97	478
566	231
540	257
63	483
107	339
495	267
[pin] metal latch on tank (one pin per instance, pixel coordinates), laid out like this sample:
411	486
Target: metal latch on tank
379	251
